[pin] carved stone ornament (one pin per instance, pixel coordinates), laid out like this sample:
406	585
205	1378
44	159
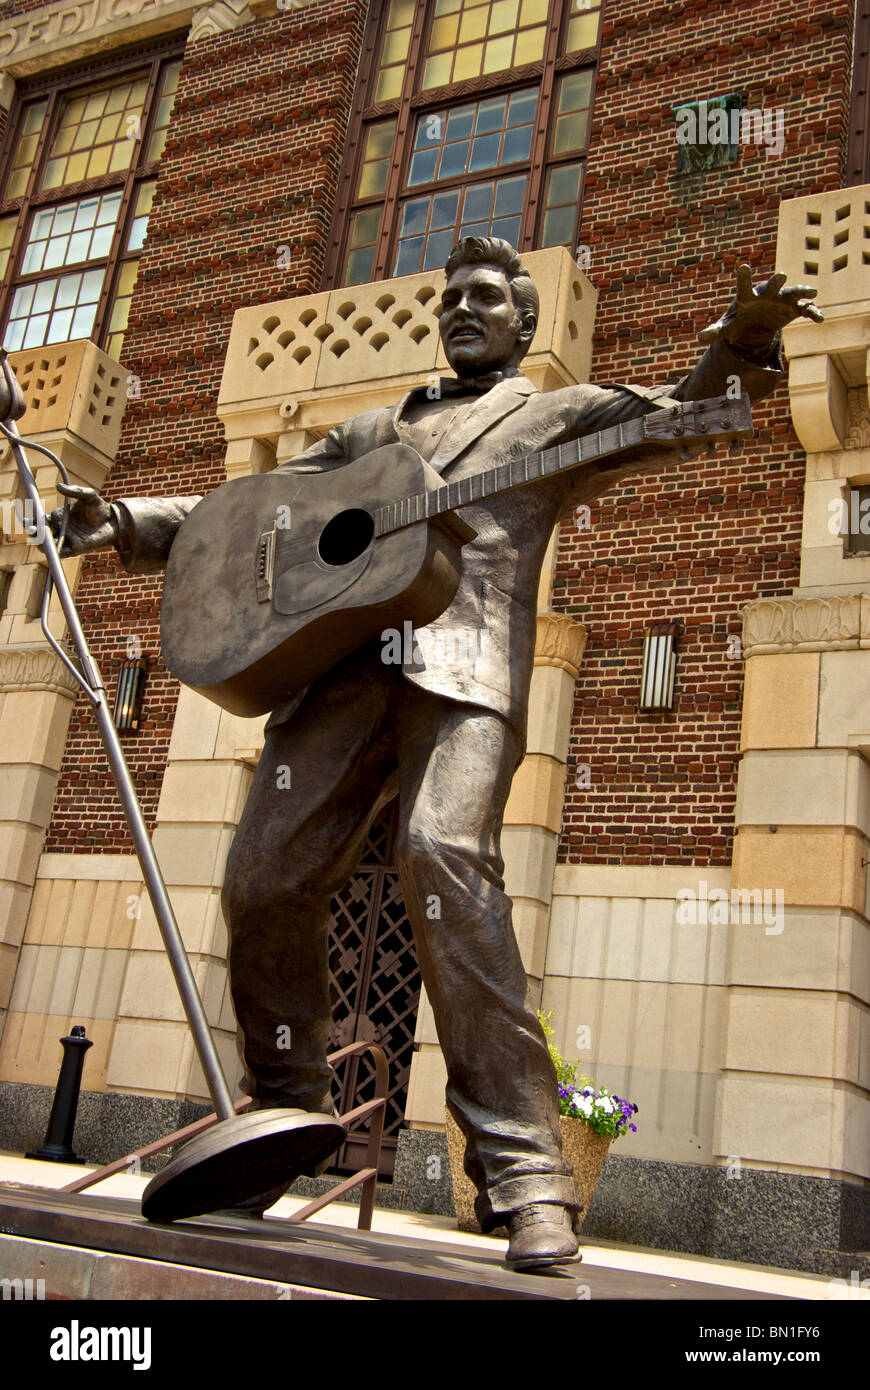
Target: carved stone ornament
560	641
858	424
218	18
34	668
771	626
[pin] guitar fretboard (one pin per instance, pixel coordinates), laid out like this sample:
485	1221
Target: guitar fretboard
423	506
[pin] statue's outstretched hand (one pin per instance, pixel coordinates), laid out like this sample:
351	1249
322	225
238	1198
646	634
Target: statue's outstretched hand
757	314
91	522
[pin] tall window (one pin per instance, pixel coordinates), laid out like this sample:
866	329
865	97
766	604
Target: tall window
76	188
471	118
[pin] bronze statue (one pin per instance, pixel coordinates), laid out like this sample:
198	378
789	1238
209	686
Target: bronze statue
446	736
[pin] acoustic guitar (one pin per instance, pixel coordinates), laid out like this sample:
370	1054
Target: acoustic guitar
274	578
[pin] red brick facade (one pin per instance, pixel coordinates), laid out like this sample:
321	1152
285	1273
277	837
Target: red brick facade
252	164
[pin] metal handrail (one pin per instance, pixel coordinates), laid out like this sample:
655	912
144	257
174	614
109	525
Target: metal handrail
367	1177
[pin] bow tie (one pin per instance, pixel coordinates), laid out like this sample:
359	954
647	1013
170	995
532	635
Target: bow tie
472	385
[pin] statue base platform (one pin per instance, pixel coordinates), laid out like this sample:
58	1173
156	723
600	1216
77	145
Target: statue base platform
103	1248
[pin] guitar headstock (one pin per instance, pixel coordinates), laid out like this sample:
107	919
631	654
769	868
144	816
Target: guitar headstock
710	421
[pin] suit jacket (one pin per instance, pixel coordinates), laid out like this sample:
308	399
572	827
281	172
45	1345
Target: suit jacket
481	649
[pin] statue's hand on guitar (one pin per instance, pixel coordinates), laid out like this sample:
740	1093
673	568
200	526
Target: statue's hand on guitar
91	521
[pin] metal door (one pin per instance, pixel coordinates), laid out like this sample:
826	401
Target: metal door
375	984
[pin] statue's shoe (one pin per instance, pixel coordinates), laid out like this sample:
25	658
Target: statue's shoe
541	1234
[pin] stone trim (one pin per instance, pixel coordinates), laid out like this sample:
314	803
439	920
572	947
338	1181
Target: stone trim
97	868
36	669
39	40
806	624
837	221
560	641
635	880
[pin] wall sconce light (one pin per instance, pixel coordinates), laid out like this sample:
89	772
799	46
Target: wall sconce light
128	698
659	667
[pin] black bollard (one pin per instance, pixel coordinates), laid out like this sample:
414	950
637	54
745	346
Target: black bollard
62	1120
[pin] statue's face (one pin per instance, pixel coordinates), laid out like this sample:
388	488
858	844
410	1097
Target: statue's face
480	326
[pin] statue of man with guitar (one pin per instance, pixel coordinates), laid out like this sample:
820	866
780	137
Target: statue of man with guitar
437	511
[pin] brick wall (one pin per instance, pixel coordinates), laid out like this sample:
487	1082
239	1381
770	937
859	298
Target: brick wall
701	540
251	164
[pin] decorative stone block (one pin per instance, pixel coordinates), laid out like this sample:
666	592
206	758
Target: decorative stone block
806	624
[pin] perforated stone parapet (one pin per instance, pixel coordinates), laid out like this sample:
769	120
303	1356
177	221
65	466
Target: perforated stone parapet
73	387
387	332
274	348
389	328
824	241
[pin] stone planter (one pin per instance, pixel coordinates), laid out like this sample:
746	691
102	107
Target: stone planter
583	1149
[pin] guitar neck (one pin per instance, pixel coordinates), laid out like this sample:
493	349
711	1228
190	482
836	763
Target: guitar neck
425	506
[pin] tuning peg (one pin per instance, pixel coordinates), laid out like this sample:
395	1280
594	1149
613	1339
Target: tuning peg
711	450
686	454
734	446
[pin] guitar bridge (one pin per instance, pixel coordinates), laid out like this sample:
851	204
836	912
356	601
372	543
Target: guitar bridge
265	567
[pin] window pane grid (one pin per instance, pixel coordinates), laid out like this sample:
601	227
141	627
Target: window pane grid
165	103
141	212
561	205
431	226
394	53
25	150
54	311
583	25
473	38
7	233
376	159
97	134
70	233
121	308
572	112
473	137
66	270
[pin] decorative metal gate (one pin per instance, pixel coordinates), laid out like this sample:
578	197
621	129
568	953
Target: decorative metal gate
375	984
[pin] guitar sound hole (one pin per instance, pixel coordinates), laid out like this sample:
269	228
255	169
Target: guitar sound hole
346	537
